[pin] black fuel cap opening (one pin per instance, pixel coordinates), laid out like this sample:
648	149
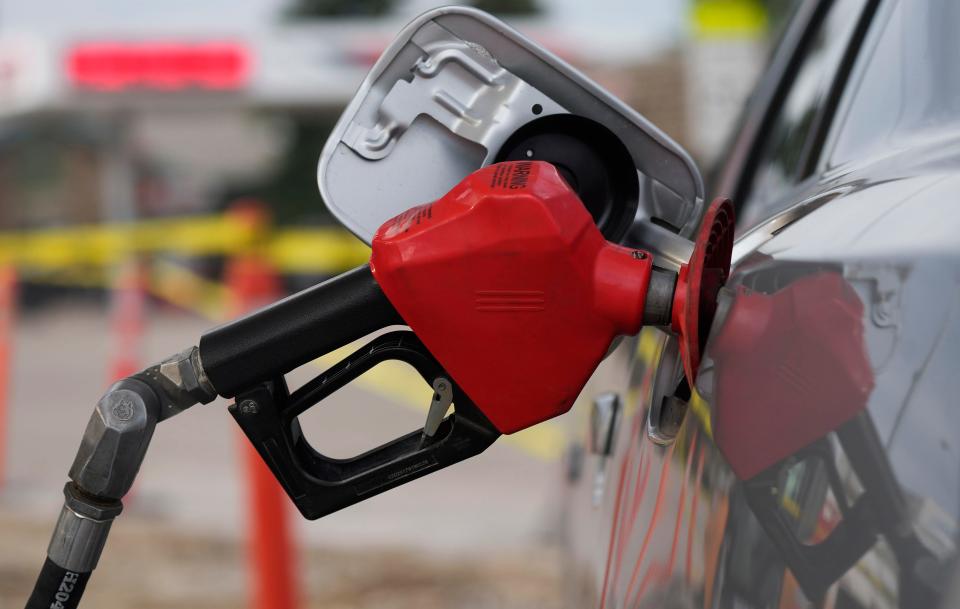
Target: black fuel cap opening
591	158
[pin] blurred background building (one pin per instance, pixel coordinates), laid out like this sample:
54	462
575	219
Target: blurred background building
126	129
193	104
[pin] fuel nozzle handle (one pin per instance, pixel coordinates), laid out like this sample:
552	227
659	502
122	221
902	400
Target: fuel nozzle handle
291	332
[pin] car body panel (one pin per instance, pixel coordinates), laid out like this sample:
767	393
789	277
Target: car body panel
870	250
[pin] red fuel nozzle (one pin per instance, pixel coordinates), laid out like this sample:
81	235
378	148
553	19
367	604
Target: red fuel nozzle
511	286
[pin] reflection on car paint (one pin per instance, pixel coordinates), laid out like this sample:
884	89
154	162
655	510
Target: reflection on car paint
817	515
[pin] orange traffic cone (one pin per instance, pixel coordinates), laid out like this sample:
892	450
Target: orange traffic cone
8	303
128	301
251	283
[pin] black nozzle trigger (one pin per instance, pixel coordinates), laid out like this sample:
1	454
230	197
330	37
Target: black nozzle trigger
320	485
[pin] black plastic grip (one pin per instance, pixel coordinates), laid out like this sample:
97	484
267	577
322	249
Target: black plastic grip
320	485
293	331
57	588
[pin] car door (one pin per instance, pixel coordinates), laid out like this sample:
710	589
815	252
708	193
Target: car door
653	514
849	468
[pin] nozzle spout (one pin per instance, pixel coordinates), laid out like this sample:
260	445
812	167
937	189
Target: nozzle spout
658	306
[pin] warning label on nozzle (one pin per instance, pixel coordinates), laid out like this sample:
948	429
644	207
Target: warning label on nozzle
409	219
511	176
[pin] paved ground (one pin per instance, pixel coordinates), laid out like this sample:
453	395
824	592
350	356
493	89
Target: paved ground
496	507
157	566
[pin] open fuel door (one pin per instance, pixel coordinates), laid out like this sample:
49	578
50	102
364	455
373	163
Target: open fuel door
459	90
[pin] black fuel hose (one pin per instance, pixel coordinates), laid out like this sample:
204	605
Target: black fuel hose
57	588
291	332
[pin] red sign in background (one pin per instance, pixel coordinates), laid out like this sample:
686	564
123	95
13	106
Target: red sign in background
219	66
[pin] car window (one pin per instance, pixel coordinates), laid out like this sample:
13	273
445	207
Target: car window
910	86
780	163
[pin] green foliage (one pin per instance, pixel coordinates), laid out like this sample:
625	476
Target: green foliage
339	8
508	7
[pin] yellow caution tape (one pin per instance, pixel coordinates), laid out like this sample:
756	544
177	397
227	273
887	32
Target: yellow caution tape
323	251
101	245
179	285
318	251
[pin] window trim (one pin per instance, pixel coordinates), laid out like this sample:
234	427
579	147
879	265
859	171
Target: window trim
813	146
823	120
770	93
842	113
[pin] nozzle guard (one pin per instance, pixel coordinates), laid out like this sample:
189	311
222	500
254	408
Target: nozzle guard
699	283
